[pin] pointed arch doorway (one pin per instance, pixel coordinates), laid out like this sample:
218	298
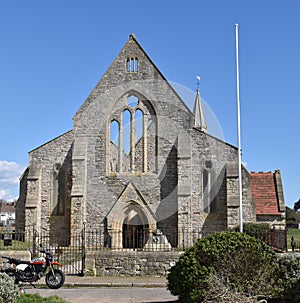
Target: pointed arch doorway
130	221
135	228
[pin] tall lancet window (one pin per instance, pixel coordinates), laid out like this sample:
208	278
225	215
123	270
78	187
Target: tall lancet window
139	140
126	140
133	138
114	146
209	188
58	191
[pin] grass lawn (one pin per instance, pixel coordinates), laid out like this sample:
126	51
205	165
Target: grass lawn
36	298
16	245
295	233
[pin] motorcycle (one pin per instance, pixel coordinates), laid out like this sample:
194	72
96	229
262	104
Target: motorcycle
32	271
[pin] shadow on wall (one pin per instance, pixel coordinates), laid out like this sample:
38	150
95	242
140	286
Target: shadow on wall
167	212
216	210
61	197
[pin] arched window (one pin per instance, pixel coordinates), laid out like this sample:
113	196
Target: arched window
114	132
114	145
58	190
126	120
128	67
136	65
126	140
133	139
209	188
205	186
139	142
132	65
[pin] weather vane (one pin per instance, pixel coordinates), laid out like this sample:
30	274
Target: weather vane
198	83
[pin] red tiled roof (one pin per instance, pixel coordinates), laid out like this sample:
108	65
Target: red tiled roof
264	193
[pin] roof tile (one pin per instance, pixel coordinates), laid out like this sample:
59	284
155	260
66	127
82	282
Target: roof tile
264	193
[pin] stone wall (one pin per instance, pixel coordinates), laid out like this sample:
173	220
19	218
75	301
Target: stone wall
249	211
35	206
20	205
130	263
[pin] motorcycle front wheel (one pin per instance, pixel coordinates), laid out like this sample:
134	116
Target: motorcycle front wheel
55	279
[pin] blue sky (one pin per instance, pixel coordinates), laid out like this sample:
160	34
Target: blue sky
54	52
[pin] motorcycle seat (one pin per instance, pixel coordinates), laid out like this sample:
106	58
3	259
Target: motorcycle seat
17	262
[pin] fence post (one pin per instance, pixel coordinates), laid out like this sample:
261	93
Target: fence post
83	248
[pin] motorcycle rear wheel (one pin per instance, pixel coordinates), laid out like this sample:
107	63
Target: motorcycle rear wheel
55	281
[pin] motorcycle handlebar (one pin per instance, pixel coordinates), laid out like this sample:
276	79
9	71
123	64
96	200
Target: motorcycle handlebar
44	251
16	261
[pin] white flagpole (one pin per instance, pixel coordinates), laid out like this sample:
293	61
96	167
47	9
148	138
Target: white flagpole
239	125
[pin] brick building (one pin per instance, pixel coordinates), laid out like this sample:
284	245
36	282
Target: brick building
137	159
267	193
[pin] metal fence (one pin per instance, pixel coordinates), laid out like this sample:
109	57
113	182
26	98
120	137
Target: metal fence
71	250
276	238
135	239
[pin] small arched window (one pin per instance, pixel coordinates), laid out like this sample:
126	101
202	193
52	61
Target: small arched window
136	65
132	65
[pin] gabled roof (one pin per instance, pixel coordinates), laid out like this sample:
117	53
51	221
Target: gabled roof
7	208
116	75
267	193
52	140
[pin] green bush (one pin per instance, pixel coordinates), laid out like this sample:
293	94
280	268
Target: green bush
289	267
231	265
9	292
256	228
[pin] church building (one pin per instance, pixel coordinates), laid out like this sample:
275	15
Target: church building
138	161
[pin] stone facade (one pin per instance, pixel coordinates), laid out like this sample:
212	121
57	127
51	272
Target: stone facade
134	161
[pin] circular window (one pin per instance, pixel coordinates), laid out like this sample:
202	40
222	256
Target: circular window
132	101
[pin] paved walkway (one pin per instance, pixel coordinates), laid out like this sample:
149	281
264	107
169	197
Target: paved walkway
75	281
109	290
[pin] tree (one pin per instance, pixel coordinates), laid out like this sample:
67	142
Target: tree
297	205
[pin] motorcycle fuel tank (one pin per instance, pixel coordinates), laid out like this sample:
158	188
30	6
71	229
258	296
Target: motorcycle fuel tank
21	267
